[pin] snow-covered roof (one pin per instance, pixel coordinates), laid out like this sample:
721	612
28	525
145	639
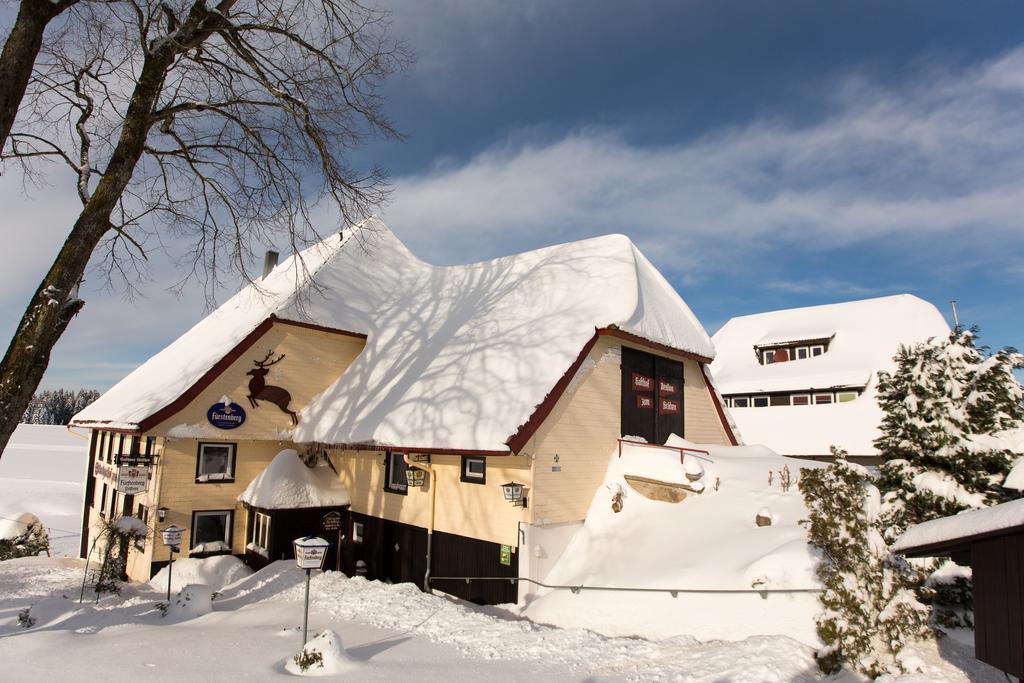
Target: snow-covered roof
288	484
865	336
962	526
455	357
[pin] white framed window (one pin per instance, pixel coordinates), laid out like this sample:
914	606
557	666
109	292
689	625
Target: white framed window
802	352
357	532
741	402
845	396
728	402
822	398
767	357
211	531
801	399
474	470
759	401
780	400
817	350
215	463
395	480
260	534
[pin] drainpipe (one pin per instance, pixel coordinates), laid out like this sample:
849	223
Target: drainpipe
429	469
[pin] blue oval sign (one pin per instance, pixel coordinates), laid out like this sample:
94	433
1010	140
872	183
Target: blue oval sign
226	416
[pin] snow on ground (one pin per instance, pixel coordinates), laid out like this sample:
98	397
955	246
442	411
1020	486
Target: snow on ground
215	572
42	471
707	541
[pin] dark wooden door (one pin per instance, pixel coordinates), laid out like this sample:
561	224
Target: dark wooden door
652	396
669	391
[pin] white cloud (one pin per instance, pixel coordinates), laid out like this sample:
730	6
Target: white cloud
935	163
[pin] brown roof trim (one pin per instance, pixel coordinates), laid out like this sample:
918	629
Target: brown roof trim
654	346
718	407
318	328
414	449
518	441
957	545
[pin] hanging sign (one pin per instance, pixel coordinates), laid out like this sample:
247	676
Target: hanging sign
668	406
134	460
132	480
506	555
226	415
331	521
642	382
667	388
645	402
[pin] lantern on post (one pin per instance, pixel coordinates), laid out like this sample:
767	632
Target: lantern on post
513	493
415	477
172	539
310	552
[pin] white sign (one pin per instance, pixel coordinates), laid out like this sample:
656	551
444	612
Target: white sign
132	480
172	535
310	552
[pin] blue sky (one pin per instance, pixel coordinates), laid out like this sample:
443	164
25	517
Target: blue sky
763	155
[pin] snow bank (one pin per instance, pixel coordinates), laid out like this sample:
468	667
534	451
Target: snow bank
970	523
707	541
326	656
215	572
513	325
14	525
193	600
287	483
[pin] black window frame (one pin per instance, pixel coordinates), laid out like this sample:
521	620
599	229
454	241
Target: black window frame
233	467
142	512
229	529
464	477
389	457
103	500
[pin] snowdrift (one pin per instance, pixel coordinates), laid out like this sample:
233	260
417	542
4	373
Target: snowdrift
215	572
707	541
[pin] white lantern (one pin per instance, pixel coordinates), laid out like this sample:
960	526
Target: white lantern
513	493
310	552
172	535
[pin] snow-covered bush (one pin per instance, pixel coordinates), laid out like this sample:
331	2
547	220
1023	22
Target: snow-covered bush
115	538
870	608
941	395
324	655
23	536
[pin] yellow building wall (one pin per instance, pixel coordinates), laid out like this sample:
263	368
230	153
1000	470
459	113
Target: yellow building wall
468	509
313	360
583	429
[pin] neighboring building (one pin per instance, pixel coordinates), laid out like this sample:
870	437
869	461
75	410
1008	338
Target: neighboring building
368	363
991	542
804	379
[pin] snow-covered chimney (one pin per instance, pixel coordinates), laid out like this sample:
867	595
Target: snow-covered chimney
269	263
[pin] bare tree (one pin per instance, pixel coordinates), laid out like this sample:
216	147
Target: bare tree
223	124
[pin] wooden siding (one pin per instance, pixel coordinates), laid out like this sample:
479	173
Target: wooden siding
313	360
703	421
462	508
998	578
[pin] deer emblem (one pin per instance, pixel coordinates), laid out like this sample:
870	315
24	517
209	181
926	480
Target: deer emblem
260	390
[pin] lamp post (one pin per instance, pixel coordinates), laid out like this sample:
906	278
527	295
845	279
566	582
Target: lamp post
310	552
172	539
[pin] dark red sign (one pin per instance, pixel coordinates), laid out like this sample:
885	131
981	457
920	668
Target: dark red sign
645	402
667	388
642	383
668	406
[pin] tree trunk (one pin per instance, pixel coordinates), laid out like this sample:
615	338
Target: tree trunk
19	56
55	301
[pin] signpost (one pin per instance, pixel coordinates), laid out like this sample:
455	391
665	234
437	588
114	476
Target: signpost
172	539
331	522
132	480
309	555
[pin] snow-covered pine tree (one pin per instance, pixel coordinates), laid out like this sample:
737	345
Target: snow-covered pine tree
57	406
940	396
870	609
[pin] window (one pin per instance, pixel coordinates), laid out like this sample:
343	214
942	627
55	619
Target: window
215	463
103	501
767	357
474	470
143	514
817	350
845	396
802	352
741	402
760	401
259	542
150	445
822	398
780	400
211	531
802	399
394	473
357	532
120	448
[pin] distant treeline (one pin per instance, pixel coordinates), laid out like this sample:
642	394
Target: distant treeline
57	406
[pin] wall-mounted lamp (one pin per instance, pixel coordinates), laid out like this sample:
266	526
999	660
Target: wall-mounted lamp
161	513
513	493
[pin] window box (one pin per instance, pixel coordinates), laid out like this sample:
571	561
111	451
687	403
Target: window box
474	470
215	463
394	473
211	532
